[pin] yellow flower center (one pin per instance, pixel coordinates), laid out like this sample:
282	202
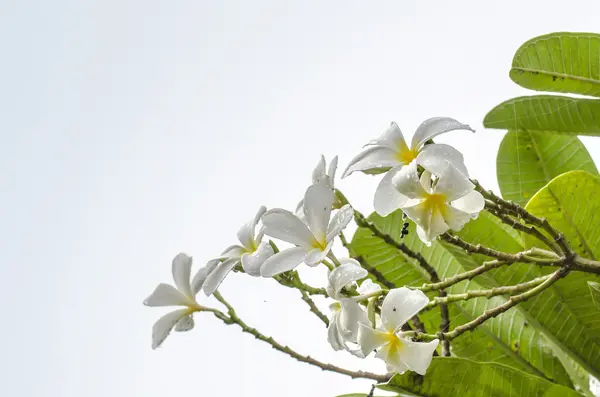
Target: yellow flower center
394	342
435	202
405	155
322	244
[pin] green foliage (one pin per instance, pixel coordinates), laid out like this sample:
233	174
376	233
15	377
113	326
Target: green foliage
559	62
547	114
570	203
457	377
508	339
528	160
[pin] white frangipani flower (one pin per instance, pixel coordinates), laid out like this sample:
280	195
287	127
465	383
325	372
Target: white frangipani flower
252	253
321	172
184	295
314	239
390	153
347	273
347	314
399	353
448	204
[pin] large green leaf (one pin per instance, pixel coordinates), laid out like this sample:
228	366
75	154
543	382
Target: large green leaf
528	160
571	203
458	377
547	114
507	339
559	62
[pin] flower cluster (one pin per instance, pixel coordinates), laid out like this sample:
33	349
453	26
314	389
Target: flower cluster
427	181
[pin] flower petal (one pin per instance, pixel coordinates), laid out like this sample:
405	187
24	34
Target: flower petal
351	316
316	255
417	355
368	287
433	158
339	222
407	182
430	221
453	184
433	127
370	339
437	226
165	324
252	262
471	203
166	295
390	353
350	271
246	232
332	169
283	261
400	305
419	214
202	274
372	158
391	138
456	218
185	324
181	267
387	198
333	334
319	172
233	251
284	225
216	277
318	204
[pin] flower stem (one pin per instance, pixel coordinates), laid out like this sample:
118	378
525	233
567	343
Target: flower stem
233	318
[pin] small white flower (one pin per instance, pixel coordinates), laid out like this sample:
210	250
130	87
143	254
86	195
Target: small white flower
184	295
347	273
368	287
252	253
448	204
389	153
319	174
314	239
399	353
347	314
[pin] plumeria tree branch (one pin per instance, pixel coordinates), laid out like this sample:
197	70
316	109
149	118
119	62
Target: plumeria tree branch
232	318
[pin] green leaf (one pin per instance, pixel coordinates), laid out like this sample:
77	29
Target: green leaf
507	339
559	62
595	292
571	204
547	114
458	377
527	161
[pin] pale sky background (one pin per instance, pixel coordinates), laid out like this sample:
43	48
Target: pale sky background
134	130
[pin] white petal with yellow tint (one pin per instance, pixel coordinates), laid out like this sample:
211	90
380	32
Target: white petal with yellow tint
400	305
433	127
318	204
390	353
316	255
163	327
408	183
252	262
433	157
453	184
387	198
373	158
283	261
370	339
284	225
456	218
392	138
166	295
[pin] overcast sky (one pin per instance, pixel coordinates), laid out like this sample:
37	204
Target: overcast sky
134	130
